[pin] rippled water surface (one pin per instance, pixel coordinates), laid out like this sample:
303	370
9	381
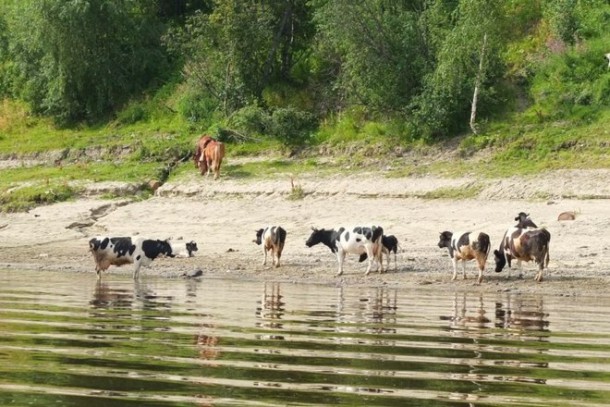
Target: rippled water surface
67	340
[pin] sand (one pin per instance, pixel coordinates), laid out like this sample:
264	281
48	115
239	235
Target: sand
222	216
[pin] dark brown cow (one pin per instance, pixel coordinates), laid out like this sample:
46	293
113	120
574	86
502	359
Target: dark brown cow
208	155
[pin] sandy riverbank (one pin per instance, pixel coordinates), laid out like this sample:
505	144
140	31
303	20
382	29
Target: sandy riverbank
222	216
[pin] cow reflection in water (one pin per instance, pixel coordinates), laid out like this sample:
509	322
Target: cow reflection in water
520	319
270	311
105	297
522	314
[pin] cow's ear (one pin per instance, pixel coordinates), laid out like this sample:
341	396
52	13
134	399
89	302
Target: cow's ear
314	229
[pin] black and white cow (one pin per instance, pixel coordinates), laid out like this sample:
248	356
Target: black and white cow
389	245
355	240
116	251
463	247
524	244
273	239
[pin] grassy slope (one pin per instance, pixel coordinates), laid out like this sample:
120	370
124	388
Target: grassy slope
505	148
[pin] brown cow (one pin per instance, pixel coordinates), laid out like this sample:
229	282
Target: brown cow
208	155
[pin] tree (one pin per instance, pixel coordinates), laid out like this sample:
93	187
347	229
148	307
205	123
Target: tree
468	59
233	53
380	50
82	59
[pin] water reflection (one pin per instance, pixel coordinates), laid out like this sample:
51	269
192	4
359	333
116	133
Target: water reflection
166	342
270	310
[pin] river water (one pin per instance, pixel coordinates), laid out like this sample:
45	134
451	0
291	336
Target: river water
69	340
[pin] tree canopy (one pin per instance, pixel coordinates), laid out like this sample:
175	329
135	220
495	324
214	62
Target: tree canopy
300	61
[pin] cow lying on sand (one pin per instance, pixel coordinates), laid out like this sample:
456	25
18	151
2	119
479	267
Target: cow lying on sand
356	240
208	155
463	247
273	239
116	251
524	244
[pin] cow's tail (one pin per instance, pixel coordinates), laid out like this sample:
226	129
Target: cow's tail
219	152
483	244
280	236
546	248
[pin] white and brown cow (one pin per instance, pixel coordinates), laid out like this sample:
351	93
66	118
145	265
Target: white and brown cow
354	240
273	239
117	251
462	247
524	244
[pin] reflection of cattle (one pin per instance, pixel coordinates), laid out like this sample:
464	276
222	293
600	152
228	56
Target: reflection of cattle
524	245
357	240
207	345
273	239
117	251
462	247
208	155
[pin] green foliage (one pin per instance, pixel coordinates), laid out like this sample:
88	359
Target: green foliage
380	49
574	84
27	197
292	127
81	59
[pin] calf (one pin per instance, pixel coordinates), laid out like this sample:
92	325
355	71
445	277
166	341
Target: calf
356	240
462	247
524	221
389	245
272	238
524	244
116	251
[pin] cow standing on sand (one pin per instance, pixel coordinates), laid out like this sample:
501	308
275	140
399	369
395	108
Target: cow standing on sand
273	239
357	240
389	245
524	244
208	155
463	247
117	251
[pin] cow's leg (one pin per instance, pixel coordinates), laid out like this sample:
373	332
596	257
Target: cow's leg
464	268
136	271
265	253
340	258
370	257
481	259
278	254
520	266
99	274
454	262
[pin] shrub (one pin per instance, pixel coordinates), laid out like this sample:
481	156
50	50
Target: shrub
292	127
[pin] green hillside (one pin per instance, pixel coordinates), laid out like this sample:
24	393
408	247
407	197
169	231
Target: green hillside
98	90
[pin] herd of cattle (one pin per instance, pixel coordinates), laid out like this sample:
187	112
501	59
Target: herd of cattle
521	242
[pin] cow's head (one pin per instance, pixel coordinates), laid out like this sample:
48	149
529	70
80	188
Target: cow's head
500	259
524	221
445	239
316	237
191	247
259	236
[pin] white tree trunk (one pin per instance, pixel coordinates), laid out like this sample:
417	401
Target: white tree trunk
477	84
